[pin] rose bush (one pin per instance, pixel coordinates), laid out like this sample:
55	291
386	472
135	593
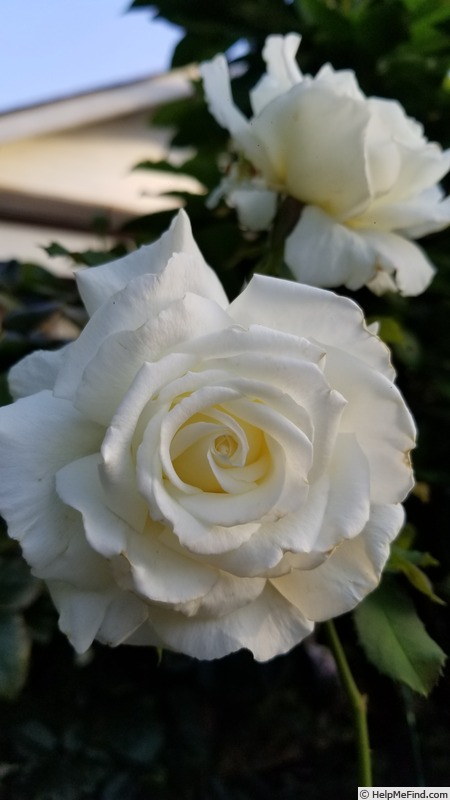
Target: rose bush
362	171
199	475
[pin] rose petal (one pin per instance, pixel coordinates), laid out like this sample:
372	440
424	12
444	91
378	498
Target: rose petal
78	485
165	576
349	574
306	311
217	88
348	506
268	627
322	252
413	272
149	568
125	616
384	157
335	509
98	284
228	594
79	565
81	613
256	208
316	144
282	70
142	299
384	428
343	82
144	636
382	283
39	435
110	373
36	372
118	467
423	163
413	218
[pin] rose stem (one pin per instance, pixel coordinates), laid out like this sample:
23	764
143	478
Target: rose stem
358	704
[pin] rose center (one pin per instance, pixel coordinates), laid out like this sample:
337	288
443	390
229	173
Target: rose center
217	452
225	445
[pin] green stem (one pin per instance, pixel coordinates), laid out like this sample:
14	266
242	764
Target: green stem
358	703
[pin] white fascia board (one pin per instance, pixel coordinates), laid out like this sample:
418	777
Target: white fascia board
85	109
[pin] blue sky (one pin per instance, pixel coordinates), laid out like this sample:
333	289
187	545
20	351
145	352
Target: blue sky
58	47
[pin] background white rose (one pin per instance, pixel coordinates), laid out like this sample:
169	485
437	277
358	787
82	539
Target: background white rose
364	171
204	476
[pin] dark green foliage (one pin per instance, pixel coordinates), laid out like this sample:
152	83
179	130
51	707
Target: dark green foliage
395	640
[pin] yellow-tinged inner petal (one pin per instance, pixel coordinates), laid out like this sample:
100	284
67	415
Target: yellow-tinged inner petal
217	440
225	446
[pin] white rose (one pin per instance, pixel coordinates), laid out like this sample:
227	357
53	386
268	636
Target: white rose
362	169
199	475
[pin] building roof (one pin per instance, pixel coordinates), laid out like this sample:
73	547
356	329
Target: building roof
94	106
66	163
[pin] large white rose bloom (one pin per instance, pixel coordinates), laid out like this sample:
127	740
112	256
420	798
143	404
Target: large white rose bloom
364	172
199	475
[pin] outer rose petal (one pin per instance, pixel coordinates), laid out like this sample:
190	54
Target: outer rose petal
322	252
143	299
423	163
217	87
427	213
382	283
402	259
78	486
315	142
36	372
256	208
38	436
81	613
155	572
79	565
384	161
113	368
100	284
268	627
125	616
282	70
352	570
386	438
306	311
343	81
111	616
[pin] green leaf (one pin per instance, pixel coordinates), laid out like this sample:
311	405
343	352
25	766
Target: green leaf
90	258
395	640
160	166
54	250
202	166
198	47
14	654
406	537
408	563
390	330
381	27
316	13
